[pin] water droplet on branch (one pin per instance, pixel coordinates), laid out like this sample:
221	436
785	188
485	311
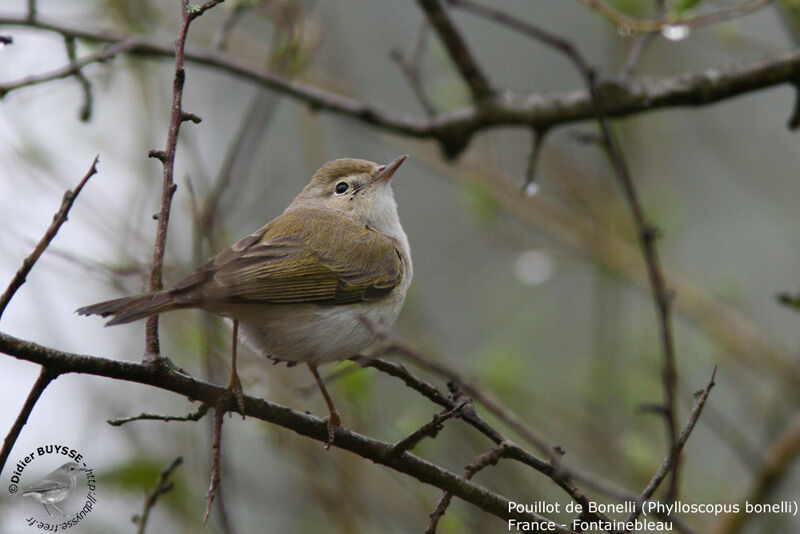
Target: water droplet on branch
677	32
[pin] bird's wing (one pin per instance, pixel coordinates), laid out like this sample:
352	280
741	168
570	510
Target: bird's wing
44	485
286	262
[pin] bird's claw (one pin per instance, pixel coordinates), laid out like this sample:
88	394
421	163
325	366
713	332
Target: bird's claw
333	421
235	389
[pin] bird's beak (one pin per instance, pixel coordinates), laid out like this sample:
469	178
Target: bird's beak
387	171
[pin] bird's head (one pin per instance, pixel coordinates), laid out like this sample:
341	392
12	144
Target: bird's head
356	188
71	468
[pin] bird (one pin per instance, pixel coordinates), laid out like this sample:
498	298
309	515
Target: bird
316	284
55	487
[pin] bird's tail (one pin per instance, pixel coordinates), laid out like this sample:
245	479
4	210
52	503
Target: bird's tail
128	309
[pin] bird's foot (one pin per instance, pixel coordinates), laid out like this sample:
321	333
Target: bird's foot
235	389
334	421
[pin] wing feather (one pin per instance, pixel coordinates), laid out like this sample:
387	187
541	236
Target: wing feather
287	263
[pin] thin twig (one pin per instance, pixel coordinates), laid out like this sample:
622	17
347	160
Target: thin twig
192	416
167	158
216	446
671	460
85	112
410	65
490	457
529	186
223	34
74	66
451	38
429	429
46	376
163	485
44	242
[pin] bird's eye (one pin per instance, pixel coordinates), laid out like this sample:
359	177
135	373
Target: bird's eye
341	188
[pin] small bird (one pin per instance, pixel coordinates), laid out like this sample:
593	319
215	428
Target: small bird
313	284
55	487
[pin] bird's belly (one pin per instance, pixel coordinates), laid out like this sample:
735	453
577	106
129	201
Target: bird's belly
314	333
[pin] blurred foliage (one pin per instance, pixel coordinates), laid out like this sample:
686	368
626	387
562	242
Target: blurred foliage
355	383
790	9
503	369
139	475
479	201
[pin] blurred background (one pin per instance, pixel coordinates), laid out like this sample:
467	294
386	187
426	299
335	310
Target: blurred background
541	300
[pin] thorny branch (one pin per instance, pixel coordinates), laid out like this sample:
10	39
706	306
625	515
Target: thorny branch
167	158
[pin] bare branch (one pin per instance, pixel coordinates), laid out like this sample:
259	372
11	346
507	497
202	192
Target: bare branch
167	157
428	430
453	130
647	234
216	448
490	457
44	242
193	416
458	50
409	65
86	109
163	485
304	424
671	460
45	377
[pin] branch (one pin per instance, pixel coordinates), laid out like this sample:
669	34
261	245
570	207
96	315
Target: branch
193	416
162	487
44	242
774	469
304	424
671	460
216	448
490	457
428	430
45	377
457	49
646	233
553	470
453	130
167	158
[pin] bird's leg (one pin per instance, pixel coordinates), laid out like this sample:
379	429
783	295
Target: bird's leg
57	508
45	508
333	418
234	385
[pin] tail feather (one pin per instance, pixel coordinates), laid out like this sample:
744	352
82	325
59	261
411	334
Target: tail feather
129	309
